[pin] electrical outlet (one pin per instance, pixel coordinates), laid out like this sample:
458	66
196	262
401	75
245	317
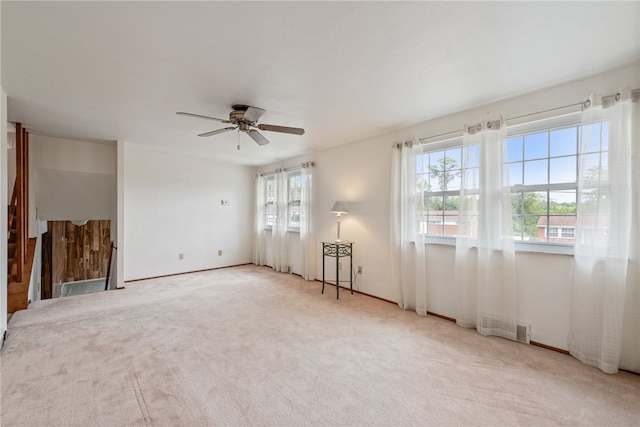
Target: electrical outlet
290	269
180	256
359	269
219	252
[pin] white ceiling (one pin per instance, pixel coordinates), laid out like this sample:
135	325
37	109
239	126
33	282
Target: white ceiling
344	71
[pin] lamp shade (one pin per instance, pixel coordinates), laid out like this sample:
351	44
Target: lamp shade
339	208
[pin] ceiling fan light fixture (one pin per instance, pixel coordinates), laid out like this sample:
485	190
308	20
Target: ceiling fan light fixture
245	118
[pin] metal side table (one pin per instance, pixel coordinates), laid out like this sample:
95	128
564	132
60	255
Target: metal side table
338	250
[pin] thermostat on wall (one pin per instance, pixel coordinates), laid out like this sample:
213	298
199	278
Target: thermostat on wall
224	202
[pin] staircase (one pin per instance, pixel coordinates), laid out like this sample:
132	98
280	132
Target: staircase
12	234
20	249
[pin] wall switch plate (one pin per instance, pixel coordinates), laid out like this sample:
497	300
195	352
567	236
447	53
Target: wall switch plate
219	252
180	256
359	269
225	202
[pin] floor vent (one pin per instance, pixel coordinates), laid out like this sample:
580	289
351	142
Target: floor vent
523	333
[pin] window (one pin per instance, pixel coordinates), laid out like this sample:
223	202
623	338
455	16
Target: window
269	201
294	194
543	161
438	179
569	232
543	168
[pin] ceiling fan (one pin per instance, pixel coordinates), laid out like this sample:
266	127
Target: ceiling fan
245	119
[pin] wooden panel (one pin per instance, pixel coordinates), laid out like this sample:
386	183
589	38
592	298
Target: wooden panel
79	252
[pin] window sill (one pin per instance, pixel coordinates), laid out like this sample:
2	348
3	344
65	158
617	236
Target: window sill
289	230
547	248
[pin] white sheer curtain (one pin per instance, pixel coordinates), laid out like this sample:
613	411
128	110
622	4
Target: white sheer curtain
307	235
259	238
605	304
408	264
279	242
485	275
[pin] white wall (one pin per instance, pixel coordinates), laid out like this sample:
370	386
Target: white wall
172	206
74	180
360	174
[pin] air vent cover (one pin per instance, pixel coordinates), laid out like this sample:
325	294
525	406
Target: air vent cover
523	333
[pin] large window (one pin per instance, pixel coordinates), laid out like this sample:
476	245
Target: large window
542	163
294	193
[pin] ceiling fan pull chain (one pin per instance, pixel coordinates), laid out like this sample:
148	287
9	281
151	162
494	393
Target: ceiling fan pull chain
238	146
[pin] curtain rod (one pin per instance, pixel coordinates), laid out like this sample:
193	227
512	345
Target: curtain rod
292	168
635	96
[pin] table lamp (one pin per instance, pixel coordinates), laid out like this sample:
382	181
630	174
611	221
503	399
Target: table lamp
338	209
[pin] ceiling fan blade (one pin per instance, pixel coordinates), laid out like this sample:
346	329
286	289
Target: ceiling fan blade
182	113
215	132
253	114
283	129
257	137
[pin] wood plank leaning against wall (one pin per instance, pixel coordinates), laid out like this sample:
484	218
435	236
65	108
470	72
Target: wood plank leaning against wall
79	252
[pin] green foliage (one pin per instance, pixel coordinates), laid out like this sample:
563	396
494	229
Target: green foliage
450	203
444	171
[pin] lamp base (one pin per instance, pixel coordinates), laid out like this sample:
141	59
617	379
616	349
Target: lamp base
338	240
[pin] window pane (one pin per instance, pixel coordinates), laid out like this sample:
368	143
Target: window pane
533	231
514	148
270	212
434	204
295	187
535	172
516	221
471	156
455	180
451	204
562	202
444	172
269	186
605	137
534	202
422	182
455	154
591	166
590	138
471	179
422	163
294	216
435	158
536	146
515	173
562	169
563	142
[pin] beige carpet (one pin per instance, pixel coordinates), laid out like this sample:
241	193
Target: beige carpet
249	346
